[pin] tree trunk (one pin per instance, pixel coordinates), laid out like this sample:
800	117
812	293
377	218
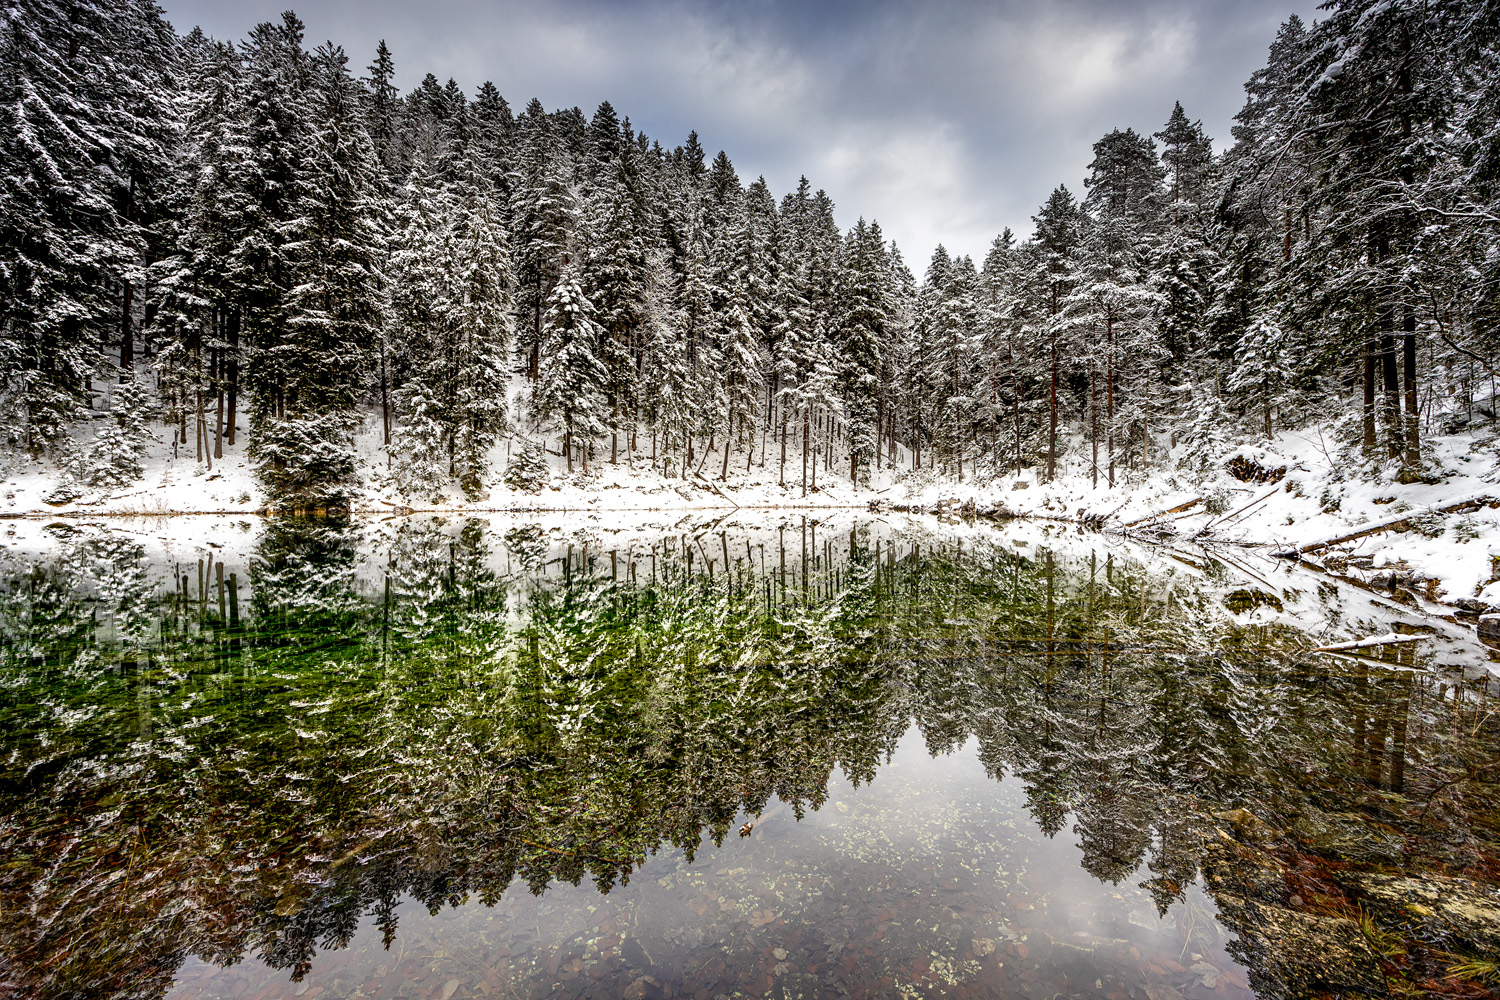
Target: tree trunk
1367	357
1409	364
127	333
806	445
219	415
781	481
204	453
233	370
916	441
1109	390
1052	416
1094	425
816	450
1391	401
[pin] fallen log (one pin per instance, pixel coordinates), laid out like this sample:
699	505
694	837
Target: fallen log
1175	510
1389	639
1402	523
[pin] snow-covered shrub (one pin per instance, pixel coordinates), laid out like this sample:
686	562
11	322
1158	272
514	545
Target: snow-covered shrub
527	472
1209	428
1256	465
1217	501
116	457
119	451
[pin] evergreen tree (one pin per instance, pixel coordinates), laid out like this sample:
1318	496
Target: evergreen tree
1263	369
1057	237
382	111
571	383
334	307
863	337
1187	158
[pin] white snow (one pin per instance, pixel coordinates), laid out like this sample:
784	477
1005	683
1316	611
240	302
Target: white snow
1325	494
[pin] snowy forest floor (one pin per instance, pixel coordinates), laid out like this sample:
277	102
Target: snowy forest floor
1323	494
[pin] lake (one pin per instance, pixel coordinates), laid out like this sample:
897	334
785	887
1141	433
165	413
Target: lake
763	756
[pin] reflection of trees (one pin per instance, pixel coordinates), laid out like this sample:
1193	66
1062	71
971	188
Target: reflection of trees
181	778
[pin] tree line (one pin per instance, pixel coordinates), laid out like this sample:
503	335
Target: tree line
197	233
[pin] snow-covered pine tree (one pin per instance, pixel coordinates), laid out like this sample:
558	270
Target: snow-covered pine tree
269	172
694	314
475	310
862	343
668	406
418	442
117	455
1056	237
768	272
943	330
1264	369
570	385
198	292
734	291
900	309
335	306
545	214
617	265
1000	363
1112	306
382	107
1187	157
794	356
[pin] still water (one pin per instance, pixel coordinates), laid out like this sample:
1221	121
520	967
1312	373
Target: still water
776	757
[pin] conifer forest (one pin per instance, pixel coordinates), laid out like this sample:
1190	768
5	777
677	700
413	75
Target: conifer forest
203	238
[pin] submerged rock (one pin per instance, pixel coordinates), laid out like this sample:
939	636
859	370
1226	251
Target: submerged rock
1248	825
1454	907
1242	871
1295	954
1348	835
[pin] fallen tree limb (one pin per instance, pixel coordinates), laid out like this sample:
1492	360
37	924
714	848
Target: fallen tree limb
1389	639
1175	510
712	487
1402	523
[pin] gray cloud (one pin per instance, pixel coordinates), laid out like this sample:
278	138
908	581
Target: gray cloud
944	121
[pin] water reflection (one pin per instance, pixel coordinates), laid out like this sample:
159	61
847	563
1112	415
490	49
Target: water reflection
362	756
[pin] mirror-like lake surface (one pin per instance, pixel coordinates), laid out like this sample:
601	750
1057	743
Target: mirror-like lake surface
759	757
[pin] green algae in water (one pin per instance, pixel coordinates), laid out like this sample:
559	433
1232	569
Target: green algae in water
778	759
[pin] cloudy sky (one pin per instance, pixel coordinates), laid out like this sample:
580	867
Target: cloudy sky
944	121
